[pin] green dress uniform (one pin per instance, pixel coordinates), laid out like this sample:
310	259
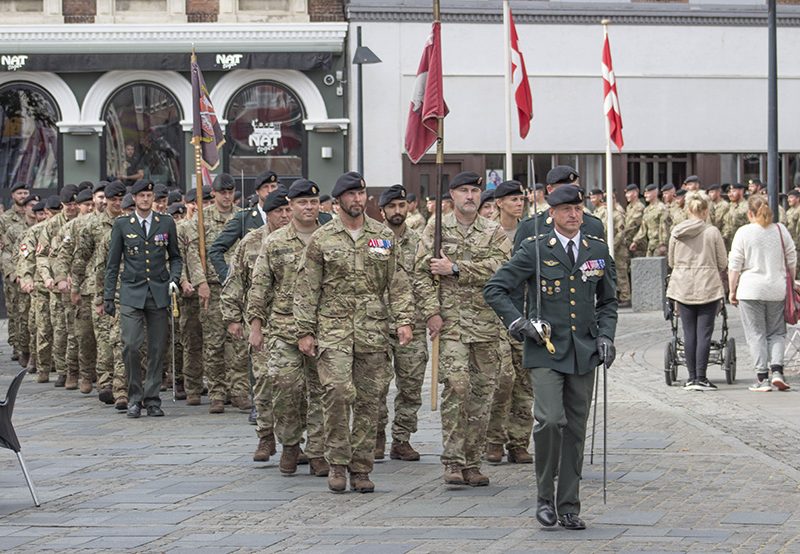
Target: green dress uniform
579	301
151	263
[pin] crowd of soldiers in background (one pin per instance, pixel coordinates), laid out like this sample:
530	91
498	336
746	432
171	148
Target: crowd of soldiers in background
54	253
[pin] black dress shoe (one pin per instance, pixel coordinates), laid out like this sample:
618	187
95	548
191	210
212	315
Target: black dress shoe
545	512
571	522
134	410
155	411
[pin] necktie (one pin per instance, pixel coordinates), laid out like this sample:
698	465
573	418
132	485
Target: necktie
570	252
144	227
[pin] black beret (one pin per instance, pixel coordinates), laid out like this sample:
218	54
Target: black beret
101	185
68	193
739	186
486	196
395	192
176	208
324	198
174	196
466	178
207	190
223	181
632	186
115	188
681	192
508	188
650	187
537	186
191	195
691	179
793	192
31	198
714	186
446	196
142	186
411	197
84	196
565	195
84	185
265	177
53	202
667	187
17	186
597	191
352	180
755	182
39	206
276	199
561	174
160	191
127	202
303	188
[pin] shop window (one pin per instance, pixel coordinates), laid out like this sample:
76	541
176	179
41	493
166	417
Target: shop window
751	167
266	5
140	5
143	136
659	169
265	131
22	6
29	145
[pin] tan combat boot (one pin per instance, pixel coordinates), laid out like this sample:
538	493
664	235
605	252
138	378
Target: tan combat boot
42	376
474	477
262	452
454	474
193	400
72	382
289	455
380	445
106	395
318	467
216	407
337	478
360	482
85	386
494	453
518	455
244	403
402	450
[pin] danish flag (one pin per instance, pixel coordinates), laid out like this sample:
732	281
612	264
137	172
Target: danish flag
519	82
611	101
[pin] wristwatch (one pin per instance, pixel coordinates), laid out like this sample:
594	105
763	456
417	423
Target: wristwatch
454	269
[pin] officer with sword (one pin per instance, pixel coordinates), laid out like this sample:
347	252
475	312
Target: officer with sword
568	331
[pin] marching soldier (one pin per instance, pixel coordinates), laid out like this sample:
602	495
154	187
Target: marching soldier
414	221
621	252
793	216
486	207
510	420
718	206
13	217
349	282
152	268
653	234
537	203
669	197
633	216
579	301
736	216
472	249
408	362
691	184
288	392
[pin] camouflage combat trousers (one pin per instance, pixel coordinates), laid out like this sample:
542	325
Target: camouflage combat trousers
58	319
262	393
119	381
225	358
40	302
408	369
352	383
296	397
10	292
84	336
191	339
622	262
511	420
22	320
104	360
30	317
468	372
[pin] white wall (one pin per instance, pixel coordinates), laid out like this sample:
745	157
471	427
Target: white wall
682	89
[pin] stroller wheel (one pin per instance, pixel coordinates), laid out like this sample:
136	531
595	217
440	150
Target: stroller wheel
729	361
670	365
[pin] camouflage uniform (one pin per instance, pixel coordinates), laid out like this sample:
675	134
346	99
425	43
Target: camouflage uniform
735	217
676	215
13	228
793	225
40	299
621	252
190	329
470	334
633	221
340	300
225	358
653	234
291	378
409	362
716	213
415	222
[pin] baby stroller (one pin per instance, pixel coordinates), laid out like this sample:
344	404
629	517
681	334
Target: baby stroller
722	352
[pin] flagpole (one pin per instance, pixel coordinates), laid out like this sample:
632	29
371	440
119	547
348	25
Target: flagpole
437	237
507	57
198	172
610	201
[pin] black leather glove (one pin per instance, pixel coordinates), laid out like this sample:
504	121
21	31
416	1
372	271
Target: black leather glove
605	345
109	308
522	328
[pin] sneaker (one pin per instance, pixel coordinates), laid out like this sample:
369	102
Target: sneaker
762	385
779	382
689	385
704	385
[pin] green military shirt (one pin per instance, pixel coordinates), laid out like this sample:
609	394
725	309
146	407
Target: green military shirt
70	234
633	220
341	286
619	227
579	302
716	213
735	217
653	234
9	239
26	263
479	251
239	282
151	262
88	267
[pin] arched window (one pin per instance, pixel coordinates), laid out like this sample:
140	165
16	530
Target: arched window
265	131
143	136
29	141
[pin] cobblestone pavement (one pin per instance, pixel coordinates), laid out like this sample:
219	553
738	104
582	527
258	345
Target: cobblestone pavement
688	472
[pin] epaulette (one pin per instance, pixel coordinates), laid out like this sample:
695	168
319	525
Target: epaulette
541	236
595	238
592	215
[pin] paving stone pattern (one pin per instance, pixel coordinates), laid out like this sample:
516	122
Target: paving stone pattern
688	472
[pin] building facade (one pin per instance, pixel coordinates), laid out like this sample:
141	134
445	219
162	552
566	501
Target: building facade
691	75
95	89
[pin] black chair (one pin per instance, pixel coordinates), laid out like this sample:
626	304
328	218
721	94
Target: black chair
8	437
